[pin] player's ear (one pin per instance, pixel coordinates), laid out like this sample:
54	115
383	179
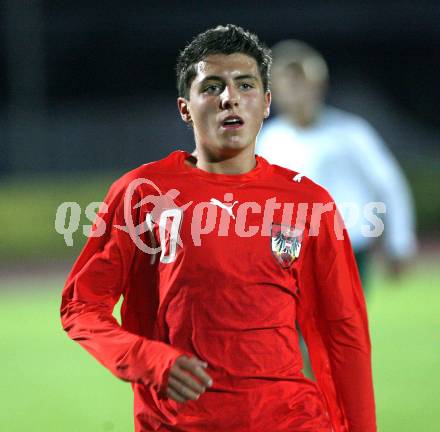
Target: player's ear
267	101
183	107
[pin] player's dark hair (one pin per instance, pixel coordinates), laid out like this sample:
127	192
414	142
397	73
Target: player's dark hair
227	39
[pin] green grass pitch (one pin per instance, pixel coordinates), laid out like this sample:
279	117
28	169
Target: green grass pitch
50	384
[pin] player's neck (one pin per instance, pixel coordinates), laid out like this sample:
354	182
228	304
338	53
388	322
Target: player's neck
306	117
234	163
302	120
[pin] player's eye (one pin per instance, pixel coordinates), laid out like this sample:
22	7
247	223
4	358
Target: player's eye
212	89
246	86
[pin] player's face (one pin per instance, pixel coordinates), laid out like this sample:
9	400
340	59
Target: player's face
294	94
227	104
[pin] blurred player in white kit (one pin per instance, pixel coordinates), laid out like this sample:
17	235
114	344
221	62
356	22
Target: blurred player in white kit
338	150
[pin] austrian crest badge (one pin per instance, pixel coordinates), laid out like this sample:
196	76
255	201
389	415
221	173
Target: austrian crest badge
286	244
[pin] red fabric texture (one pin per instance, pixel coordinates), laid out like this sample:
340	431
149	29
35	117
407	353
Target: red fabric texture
225	298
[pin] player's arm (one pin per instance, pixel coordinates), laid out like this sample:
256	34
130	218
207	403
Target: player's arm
96	282
333	319
390	185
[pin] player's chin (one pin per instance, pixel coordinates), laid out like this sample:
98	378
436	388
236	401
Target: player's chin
233	144
229	140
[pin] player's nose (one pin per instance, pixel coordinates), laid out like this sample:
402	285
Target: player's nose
230	97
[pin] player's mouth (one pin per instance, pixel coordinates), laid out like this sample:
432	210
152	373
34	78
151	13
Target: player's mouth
232	122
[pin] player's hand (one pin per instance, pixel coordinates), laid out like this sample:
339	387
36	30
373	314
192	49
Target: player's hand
188	379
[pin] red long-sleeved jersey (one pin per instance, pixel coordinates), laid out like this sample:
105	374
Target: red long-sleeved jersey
222	267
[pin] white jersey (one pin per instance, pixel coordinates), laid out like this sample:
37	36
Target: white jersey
343	153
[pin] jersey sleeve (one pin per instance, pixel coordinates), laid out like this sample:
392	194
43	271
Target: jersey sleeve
99	277
332	317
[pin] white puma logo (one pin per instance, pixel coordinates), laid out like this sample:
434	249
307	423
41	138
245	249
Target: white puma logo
298	178
228	208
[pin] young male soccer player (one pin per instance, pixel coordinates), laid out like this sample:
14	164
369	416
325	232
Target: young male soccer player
216	258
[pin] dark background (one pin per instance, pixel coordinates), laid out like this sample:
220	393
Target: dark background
90	85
